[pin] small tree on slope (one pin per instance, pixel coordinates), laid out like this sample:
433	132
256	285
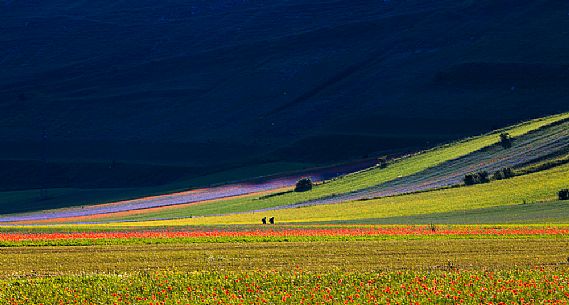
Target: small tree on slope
303	185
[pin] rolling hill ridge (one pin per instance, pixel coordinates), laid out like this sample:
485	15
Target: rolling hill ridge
205	87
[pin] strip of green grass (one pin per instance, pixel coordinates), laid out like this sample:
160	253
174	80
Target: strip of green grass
555	212
402	167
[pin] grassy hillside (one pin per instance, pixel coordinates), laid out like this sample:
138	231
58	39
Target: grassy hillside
402	167
531	189
18	201
222	82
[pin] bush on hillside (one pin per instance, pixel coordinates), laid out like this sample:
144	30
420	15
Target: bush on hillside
303	185
382	162
470	179
506	140
483	177
477	178
504	173
498	175
508	172
563	194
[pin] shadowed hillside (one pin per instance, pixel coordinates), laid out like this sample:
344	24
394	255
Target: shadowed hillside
535	147
217	84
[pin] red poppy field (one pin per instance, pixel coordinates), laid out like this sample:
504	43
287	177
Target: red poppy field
277	233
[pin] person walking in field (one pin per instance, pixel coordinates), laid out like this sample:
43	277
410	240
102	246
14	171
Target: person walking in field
264	220
272	220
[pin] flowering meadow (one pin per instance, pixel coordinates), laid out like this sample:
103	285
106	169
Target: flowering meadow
536	285
160	250
284	264
277	234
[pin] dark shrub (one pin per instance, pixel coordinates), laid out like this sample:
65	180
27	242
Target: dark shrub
470	179
480	177
483	177
303	185
498	175
382	162
508	172
564	194
504	173
506	140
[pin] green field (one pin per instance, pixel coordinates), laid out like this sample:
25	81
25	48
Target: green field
532	189
551	212
502	241
377	256
151	152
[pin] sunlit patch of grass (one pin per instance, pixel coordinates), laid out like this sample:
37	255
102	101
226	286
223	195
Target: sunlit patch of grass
536	187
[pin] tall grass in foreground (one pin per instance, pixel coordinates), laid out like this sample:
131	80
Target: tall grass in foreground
295	287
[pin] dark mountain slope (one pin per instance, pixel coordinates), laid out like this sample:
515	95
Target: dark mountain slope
272	76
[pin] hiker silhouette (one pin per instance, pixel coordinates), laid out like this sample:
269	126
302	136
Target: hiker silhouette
272	220
264	220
